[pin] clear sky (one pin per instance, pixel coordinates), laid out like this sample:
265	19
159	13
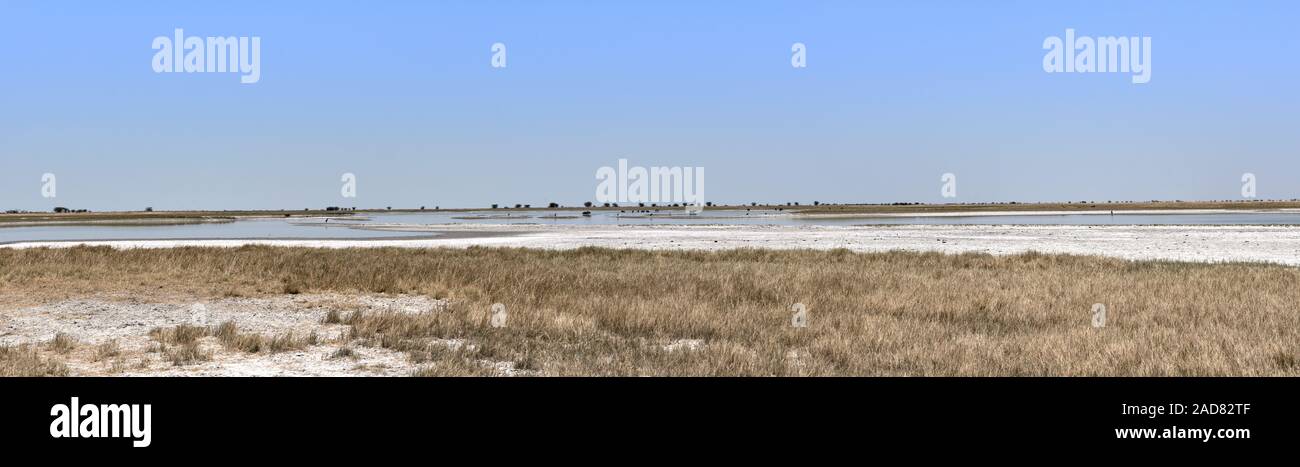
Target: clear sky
403	95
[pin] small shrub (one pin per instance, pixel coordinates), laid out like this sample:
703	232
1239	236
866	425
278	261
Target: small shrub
187	353
63	343
344	352
107	350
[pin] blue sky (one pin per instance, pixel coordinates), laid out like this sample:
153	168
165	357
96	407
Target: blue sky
402	94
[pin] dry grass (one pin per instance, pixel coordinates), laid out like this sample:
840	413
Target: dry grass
62	343
186	353
26	360
230	337
344	352
107	350
616	312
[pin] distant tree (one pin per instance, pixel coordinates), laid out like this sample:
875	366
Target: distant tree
390	208
421	208
148	209
528	206
817	203
553	205
494	206
709	204
587	204
517	205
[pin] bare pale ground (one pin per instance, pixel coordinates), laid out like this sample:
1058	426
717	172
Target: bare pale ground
1204	243
590	311
1068	207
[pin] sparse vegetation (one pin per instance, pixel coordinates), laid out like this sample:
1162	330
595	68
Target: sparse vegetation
26	360
186	353
344	352
107	350
230	337
63	343
182	334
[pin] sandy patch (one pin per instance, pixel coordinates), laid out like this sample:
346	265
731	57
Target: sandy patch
97	321
1089	212
1207	243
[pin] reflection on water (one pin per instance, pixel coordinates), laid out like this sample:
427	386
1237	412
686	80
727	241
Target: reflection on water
339	228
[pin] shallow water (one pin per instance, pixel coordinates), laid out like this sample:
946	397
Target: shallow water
339	228
242	229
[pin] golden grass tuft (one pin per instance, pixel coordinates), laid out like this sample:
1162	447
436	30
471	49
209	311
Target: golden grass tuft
107	350
187	353
62	343
228	334
26	360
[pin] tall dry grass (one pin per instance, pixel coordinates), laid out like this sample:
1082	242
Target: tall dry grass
625	312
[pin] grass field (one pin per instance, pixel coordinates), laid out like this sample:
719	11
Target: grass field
622	312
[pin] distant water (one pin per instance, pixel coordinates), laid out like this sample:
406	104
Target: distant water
772	217
338	229
242	229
